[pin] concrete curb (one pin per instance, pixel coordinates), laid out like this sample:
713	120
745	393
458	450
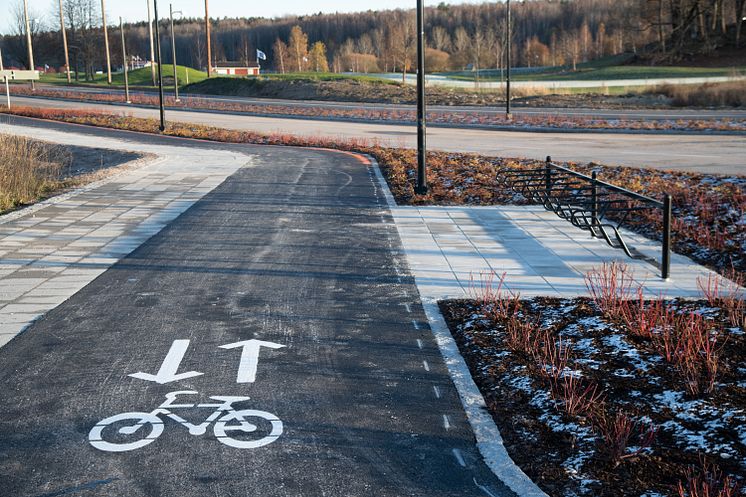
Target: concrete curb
489	440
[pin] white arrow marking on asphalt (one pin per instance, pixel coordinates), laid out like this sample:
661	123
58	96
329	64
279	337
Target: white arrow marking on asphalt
170	366
249	358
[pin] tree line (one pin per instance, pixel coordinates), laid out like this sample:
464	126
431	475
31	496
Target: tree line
459	37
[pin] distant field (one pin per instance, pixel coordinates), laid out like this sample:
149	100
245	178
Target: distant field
604	73
323	76
138	77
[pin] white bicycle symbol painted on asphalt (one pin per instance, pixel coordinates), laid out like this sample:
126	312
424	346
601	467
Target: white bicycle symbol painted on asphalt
149	426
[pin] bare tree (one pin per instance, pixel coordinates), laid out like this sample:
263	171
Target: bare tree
298	48
280	51
440	39
403	43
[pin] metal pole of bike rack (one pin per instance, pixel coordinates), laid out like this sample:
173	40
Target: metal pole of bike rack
666	257
548	176
594	201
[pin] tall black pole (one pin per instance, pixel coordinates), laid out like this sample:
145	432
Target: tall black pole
509	36
162	126
421	187
173	52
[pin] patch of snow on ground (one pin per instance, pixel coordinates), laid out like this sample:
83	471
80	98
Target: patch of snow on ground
621	347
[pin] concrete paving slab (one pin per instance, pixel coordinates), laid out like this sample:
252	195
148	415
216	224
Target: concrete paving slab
541	254
52	250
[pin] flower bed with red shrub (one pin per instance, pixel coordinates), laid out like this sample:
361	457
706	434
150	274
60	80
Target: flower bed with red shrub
614	395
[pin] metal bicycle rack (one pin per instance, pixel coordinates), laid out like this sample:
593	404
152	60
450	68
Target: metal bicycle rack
590	204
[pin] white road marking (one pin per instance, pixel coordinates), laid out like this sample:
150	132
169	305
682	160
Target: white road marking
459	457
416	326
419	343
483	488
446	422
437	391
408	308
426	365
249	357
168	371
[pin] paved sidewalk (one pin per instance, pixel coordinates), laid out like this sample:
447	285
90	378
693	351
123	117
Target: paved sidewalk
452	249
52	250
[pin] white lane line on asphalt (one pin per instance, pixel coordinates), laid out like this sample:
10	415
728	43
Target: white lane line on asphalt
408	308
437	391
426	365
419	343
416	326
459	457
446	422
483	488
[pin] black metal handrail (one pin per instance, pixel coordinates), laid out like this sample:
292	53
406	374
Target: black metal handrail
590	204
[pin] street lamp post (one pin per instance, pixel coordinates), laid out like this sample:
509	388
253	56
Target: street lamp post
64	43
509	35
106	41
124	64
162	125
173	50
152	49
421	187
207	36
28	41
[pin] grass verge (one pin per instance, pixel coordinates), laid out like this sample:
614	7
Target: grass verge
138	77
731	94
29	171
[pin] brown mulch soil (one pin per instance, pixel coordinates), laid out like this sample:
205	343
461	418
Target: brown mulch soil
567	455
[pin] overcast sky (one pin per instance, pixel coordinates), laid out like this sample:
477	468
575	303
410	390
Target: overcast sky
136	10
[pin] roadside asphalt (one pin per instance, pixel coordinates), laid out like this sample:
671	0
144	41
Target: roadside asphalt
285	286
497	110
704	153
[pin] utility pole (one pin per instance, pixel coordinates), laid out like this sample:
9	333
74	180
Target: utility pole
421	187
207	35
162	126
509	35
64	42
173	51
124	59
152	49
106	41
28	41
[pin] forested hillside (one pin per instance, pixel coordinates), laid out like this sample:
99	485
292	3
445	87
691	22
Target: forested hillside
545	32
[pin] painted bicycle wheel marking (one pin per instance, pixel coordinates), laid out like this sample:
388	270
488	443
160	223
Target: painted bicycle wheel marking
232	427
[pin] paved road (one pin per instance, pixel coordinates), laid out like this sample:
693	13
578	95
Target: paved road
298	251
701	153
566	83
517	109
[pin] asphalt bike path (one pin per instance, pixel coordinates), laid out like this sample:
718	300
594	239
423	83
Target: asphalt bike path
268	342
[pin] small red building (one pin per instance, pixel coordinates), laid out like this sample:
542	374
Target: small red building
232	68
